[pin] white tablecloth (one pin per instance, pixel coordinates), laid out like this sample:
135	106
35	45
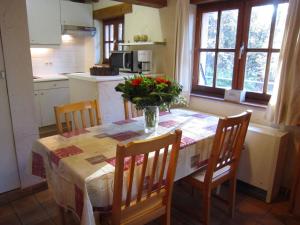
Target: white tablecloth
79	166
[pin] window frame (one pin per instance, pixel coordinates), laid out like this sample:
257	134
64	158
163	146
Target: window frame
115	22
243	25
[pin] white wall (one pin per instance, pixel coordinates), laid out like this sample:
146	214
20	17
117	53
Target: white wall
75	54
143	20
15	40
222	108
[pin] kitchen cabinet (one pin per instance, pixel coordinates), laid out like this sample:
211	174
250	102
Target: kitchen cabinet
76	14
109	100
47	95
44	22
83	87
37	108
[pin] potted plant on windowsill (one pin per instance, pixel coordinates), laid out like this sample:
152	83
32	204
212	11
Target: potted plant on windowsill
149	94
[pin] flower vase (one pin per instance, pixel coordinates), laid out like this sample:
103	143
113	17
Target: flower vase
151	117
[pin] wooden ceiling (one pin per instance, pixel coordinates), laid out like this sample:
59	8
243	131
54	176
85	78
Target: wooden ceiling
112	12
150	3
198	2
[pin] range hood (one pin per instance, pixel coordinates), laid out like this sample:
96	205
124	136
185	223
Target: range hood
78	30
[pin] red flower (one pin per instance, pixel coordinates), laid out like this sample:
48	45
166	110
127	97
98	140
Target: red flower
160	80
136	81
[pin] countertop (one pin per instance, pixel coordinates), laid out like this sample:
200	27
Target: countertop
50	77
88	77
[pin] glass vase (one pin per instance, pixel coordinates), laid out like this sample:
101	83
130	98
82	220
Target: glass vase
151	117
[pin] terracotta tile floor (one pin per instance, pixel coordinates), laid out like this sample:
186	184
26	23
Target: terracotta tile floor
40	209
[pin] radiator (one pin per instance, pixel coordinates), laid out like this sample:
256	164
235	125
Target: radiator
262	161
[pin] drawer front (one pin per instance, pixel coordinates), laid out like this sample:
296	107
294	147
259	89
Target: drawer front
51	84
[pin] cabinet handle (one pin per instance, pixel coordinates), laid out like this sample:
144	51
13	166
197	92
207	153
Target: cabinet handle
42	93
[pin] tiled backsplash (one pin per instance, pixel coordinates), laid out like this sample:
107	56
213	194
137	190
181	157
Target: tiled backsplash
75	54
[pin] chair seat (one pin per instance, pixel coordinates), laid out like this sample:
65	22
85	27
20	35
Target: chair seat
199	176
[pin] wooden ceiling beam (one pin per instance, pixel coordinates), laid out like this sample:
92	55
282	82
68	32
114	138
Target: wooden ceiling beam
112	11
149	3
199	2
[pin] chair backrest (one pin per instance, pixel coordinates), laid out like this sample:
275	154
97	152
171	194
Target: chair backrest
130	111
74	109
154	153
228	143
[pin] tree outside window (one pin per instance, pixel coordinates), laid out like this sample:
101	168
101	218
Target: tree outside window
237	46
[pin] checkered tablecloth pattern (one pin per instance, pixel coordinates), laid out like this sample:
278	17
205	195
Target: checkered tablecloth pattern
79	166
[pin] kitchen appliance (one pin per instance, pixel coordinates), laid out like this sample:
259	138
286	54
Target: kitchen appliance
78	30
132	61
104	71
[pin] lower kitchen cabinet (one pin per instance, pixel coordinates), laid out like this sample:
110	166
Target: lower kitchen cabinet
47	95
111	106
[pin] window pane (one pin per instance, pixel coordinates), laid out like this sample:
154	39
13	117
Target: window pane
228	28
206	68
209	30
255	71
260	24
120	32
280	24
106	33
273	70
111	46
106	50
111	36
225	69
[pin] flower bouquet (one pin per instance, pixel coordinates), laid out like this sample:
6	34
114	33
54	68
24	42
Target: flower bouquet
149	94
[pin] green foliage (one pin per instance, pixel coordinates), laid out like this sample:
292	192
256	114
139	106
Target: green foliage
148	91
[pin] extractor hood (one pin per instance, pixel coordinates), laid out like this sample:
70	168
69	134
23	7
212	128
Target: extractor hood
78	30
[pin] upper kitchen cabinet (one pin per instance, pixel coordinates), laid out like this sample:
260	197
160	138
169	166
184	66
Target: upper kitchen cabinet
76	14
44	22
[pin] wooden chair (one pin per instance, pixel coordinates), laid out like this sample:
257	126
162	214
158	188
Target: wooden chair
74	109
130	111
151	201
223	162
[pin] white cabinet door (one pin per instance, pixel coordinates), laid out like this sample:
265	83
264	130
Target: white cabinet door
77	14
110	102
9	178
37	108
44	22
50	98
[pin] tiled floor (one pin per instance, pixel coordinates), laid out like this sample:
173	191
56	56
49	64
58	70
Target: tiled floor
40	209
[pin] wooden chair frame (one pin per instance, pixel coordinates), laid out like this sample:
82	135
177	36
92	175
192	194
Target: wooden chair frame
130	111
140	210
226	151
73	109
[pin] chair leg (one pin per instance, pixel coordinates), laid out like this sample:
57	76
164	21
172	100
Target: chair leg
206	207
232	195
167	217
62	215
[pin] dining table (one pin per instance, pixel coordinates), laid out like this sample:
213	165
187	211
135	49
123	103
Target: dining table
79	165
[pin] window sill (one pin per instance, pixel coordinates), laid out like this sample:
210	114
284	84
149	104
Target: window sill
251	104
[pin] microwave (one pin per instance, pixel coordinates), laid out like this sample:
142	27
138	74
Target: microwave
131	61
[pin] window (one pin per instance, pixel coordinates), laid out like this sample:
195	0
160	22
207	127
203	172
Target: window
113	34
237	46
